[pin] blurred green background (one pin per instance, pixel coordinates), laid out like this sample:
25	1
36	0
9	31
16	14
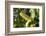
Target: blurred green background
25	17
